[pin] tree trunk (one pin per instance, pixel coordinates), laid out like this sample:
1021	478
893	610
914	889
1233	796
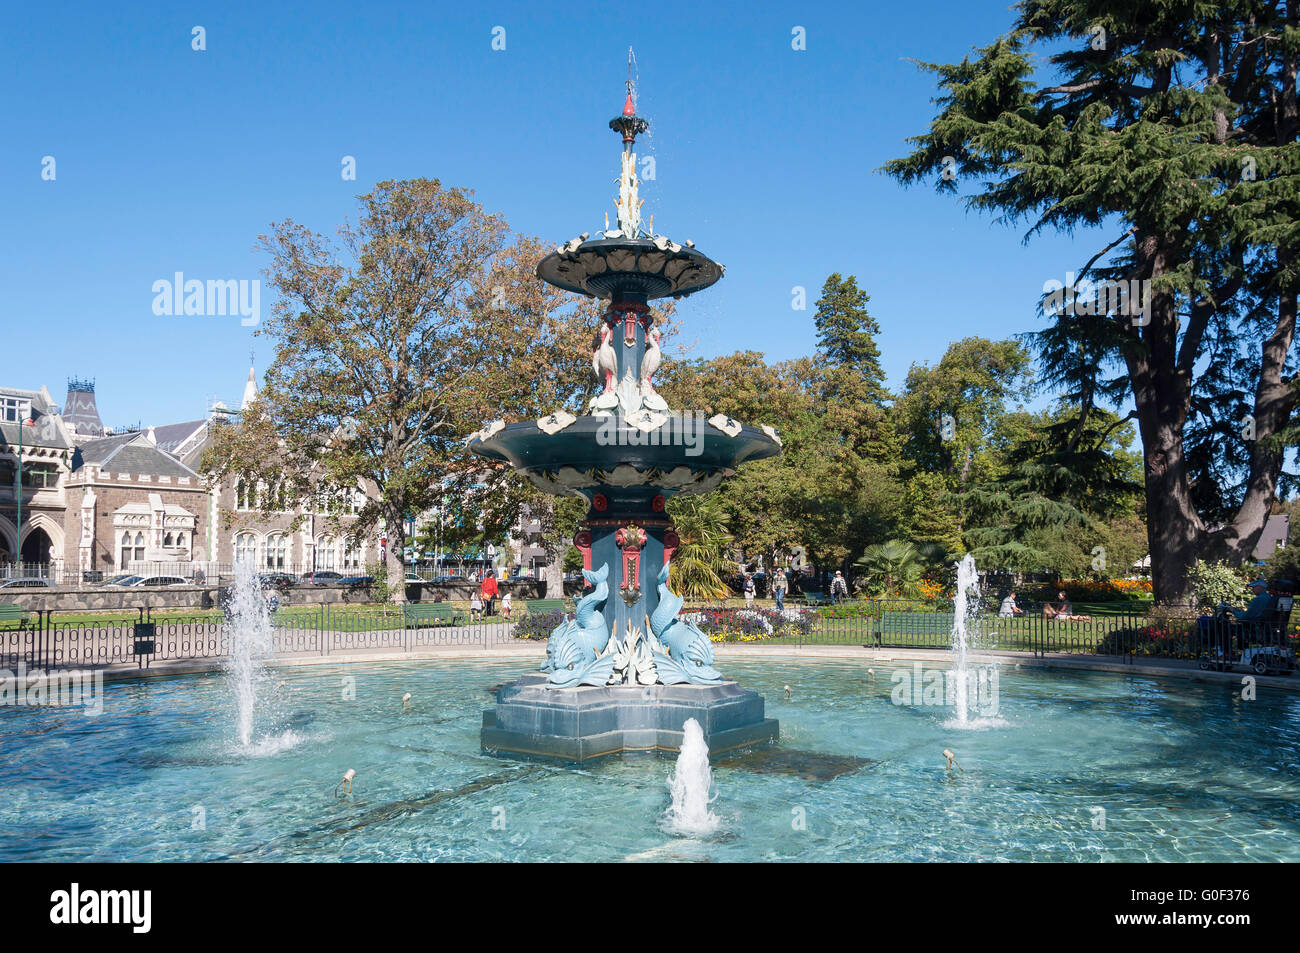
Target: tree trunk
553	576
395	531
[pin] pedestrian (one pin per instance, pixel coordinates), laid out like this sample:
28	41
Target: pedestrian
749	591
505	605
475	606
489	589
778	588
839	588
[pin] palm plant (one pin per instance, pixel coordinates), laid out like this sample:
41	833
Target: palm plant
698	567
891	567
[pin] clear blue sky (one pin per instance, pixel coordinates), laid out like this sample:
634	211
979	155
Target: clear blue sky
174	160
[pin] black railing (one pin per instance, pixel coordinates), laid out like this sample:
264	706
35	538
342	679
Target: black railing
65	639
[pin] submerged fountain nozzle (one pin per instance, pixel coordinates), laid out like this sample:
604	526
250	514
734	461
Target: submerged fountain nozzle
787	693
346	784
406	700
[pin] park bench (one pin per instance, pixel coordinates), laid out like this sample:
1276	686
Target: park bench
435	613
913	623
9	612
815	599
536	606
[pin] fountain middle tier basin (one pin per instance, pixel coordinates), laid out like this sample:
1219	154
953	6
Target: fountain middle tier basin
574	725
684	454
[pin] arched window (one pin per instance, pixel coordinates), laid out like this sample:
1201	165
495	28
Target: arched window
139	546
351	555
325	556
275	552
246	548
168	541
126	551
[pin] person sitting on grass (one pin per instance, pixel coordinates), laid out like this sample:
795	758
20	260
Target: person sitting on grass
475	607
1063	611
1009	607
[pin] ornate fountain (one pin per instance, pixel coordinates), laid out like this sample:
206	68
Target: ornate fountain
627	671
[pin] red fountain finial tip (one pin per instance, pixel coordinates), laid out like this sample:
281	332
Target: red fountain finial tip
628	108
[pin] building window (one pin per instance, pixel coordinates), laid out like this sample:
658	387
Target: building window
324	556
126	550
139	546
167	540
245	495
40	476
351	556
13	409
245	548
275	552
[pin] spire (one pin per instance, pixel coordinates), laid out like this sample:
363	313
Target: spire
250	390
629	125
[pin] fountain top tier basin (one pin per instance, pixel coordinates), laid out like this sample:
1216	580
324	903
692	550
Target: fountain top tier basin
684	454
629	269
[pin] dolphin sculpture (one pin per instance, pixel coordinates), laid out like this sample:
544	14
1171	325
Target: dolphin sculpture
573	650
688	653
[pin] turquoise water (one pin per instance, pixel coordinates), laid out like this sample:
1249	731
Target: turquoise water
1183	771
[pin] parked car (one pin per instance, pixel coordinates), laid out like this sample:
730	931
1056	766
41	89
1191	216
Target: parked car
321	577
159	581
92	575
453	579
359	581
276	580
26	582
126	579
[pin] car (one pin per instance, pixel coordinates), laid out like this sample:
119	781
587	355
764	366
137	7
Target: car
321	577
357	581
159	581
413	578
276	580
451	579
25	582
127	579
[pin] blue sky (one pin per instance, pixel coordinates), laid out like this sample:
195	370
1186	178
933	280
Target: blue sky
169	160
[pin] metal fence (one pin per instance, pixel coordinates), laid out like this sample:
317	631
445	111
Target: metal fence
59	639
47	640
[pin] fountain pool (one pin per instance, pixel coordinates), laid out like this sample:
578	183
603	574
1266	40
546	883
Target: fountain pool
1182	770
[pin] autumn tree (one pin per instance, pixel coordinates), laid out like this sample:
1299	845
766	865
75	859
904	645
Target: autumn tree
421	322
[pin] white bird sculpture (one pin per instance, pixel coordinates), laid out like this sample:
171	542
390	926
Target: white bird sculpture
649	364
604	363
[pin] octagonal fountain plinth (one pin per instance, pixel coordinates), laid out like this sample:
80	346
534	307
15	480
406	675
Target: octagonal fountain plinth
627	671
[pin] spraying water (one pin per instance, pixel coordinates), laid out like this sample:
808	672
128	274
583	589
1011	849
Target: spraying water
967	579
690	783
961	678
249	624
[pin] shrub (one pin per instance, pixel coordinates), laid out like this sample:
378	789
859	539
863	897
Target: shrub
1215	583
537	625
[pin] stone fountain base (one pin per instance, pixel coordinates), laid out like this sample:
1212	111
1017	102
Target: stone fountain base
574	725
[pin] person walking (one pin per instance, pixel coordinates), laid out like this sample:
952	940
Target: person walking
839	588
489	592
505	604
778	588
749	591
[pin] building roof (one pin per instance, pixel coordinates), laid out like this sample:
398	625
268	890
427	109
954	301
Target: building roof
130	453
80	409
1274	536
178	439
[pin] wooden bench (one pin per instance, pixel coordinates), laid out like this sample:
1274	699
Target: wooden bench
815	599
537	606
913	623
435	613
10	612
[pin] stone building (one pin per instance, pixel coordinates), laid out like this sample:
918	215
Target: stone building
98	503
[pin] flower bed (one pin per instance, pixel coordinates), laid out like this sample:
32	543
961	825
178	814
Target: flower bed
751	625
537	625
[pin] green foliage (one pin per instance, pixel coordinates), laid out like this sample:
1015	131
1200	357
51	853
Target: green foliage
892	568
1213	583
701	563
